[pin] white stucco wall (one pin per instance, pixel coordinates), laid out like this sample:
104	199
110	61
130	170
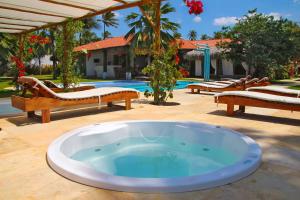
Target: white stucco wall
96	69
227	67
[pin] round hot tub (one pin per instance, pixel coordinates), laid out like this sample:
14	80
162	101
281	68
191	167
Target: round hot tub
154	156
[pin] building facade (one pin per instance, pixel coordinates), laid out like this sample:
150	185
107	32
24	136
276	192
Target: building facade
114	58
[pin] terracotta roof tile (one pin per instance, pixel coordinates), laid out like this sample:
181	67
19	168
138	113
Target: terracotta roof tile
121	41
189	44
103	44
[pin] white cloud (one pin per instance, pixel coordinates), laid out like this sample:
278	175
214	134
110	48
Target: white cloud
225	21
197	19
276	15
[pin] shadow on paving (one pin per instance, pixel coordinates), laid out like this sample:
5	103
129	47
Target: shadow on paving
264	118
64	114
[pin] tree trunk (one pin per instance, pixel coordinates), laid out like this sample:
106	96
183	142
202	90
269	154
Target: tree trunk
40	67
64	60
157	48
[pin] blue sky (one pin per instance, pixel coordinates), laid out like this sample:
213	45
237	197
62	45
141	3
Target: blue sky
217	13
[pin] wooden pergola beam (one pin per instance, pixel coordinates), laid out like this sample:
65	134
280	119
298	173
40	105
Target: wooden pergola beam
110	9
121	1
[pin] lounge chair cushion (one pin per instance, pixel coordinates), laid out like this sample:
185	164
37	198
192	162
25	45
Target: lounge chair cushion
97	92
219	86
276	89
261	96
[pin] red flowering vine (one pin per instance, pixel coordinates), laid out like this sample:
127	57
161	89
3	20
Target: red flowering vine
196	6
38	39
185	73
34	39
177	59
20	65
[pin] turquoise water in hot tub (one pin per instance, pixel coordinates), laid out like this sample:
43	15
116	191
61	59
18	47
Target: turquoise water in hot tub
145	158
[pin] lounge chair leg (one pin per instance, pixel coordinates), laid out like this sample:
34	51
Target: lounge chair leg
127	104
30	114
45	116
109	104
198	91
242	109
193	91
230	109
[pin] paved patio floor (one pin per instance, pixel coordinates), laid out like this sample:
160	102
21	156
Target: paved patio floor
24	173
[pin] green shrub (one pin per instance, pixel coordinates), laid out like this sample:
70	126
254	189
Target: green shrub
163	74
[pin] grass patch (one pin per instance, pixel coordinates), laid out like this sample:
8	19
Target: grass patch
295	87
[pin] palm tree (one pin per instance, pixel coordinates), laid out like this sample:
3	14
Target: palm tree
142	32
86	35
193	35
205	37
108	19
8	47
177	35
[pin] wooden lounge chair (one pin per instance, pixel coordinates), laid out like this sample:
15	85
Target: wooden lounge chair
56	88
45	99
255	99
276	91
258	83
228	81
215	88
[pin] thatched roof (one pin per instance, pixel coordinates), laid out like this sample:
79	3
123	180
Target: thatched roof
196	54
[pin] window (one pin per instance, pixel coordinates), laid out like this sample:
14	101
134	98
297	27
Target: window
116	60
96	60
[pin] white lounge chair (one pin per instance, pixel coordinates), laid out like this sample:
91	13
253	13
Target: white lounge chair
276	91
44	98
256	99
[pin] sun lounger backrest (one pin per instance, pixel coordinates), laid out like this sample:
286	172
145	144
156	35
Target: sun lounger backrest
248	77
50	84
265	79
36	87
254	80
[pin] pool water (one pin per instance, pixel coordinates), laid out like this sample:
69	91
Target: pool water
155	158
141	86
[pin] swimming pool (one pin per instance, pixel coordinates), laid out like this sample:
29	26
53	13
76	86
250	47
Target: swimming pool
141	86
154	156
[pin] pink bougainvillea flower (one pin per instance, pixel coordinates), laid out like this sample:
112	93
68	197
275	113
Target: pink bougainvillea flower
196	6
30	50
177	59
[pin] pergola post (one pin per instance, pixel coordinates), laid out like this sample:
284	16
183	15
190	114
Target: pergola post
21	40
20	55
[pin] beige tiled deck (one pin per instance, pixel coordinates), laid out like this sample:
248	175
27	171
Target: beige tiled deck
24	173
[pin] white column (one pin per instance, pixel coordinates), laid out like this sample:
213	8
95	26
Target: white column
198	68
